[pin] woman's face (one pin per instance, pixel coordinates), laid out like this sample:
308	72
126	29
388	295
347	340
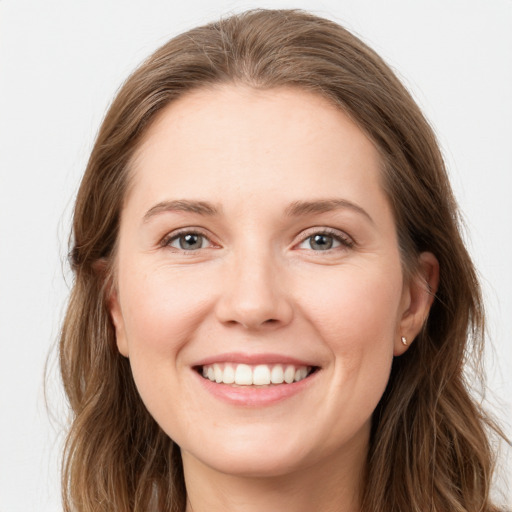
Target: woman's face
259	290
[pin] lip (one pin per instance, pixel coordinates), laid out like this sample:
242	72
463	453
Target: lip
254	396
253	359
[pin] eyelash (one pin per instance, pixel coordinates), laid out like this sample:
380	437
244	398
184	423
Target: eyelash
344	240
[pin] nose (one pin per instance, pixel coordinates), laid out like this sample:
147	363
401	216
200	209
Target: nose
254	294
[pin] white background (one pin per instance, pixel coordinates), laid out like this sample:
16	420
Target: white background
61	62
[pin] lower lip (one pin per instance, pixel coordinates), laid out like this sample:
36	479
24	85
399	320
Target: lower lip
254	396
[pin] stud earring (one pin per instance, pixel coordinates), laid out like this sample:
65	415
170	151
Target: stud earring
404	340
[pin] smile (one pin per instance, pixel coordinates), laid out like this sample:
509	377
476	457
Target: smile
255	375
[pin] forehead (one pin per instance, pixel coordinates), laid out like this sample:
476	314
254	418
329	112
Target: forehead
236	141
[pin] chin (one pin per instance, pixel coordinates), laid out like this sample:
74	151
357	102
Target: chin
253	465
256	457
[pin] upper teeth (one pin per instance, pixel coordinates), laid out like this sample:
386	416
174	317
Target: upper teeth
259	375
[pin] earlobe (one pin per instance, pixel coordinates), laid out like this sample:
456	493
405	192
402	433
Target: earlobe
419	295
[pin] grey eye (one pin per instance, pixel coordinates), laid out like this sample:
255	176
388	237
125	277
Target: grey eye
320	242
188	242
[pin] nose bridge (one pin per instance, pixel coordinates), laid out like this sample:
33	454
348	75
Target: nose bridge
253	295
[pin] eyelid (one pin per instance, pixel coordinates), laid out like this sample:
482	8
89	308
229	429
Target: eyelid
341	236
192	230
345	239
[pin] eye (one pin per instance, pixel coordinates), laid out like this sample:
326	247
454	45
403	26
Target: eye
187	241
324	241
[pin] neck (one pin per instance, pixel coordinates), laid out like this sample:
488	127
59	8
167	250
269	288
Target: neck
325	487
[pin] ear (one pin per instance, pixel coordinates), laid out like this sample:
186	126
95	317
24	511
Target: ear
111	296
417	298
117	319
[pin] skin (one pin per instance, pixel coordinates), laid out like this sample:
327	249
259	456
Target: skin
257	285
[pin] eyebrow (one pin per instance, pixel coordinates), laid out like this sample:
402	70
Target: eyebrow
294	209
181	205
298	208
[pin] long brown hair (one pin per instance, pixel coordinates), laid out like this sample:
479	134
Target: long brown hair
429	449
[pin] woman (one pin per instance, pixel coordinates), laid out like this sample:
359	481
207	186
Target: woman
273	304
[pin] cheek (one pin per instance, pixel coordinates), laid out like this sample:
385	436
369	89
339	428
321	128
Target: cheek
357	318
355	304
162	308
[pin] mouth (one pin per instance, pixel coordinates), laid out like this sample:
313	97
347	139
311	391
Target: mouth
258	375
